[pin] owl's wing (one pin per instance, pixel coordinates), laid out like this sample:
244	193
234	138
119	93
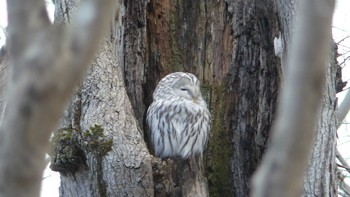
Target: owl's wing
164	126
178	127
194	135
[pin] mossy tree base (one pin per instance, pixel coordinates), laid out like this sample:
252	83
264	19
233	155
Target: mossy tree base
69	148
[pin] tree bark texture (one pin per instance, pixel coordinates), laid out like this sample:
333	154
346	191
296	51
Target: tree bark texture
3	78
321	177
125	170
228	45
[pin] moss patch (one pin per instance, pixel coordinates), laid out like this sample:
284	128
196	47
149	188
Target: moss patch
69	146
66	156
217	160
95	141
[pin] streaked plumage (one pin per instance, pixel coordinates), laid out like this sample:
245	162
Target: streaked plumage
178	118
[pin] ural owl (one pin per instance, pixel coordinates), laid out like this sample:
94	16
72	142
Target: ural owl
178	118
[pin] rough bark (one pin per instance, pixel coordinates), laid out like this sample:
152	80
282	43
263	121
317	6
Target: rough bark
3	79
320	177
125	170
286	12
134	54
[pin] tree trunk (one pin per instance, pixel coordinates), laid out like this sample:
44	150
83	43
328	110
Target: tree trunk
99	149
228	45
116	163
320	177
3	78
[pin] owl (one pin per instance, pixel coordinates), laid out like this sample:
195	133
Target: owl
178	118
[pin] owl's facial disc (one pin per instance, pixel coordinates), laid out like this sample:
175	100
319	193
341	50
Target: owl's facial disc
186	89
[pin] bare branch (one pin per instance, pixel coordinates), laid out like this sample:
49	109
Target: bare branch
346	37
341	166
342	161
342	183
47	63
344	61
344	108
283	167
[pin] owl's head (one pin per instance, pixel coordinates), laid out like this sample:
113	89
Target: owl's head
178	85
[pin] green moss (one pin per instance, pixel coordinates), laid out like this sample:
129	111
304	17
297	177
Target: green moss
66	156
63	134
96	142
218	155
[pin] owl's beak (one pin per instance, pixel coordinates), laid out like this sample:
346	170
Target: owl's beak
197	97
196	100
